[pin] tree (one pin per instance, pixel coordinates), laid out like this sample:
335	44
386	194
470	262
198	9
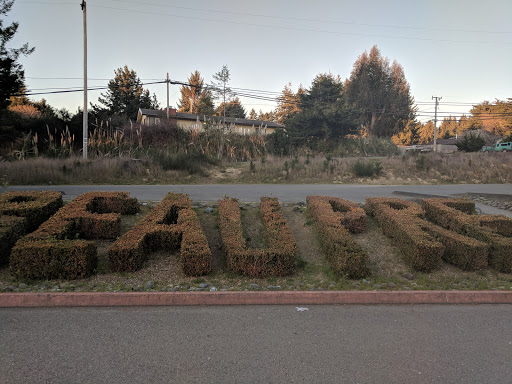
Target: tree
287	104
253	115
426	132
380	93
12	75
494	117
266	116
471	143
325	113
232	108
195	98
220	87
410	135
124	96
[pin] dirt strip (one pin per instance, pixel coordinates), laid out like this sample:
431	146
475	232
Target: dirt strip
109	299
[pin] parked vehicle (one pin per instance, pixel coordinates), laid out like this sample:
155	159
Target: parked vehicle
499	147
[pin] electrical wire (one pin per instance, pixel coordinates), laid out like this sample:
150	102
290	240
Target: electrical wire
297	28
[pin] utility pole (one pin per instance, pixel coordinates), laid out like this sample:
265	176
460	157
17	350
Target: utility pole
437	98
167	95
85	127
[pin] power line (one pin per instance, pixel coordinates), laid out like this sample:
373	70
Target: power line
299	29
314	20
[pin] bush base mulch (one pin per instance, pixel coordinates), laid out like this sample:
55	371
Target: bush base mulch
334	218
277	259
171	225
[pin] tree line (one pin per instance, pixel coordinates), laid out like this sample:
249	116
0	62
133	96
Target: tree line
374	101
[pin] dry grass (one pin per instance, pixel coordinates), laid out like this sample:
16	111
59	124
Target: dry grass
430	168
388	270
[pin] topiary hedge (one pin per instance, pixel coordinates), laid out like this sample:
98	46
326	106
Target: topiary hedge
334	218
57	249
424	244
278	259
496	230
11	229
22	212
35	207
171	225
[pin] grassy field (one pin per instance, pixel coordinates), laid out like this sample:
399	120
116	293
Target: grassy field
429	168
162	272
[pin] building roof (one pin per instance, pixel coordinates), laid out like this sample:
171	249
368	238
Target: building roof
229	120
219	119
150	112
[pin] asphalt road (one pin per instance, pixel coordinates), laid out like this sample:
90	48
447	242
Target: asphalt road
257	344
285	192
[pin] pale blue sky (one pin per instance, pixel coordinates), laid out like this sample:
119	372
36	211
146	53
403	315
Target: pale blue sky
460	50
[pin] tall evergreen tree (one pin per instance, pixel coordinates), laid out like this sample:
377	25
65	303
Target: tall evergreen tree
12	75
325	112
234	108
380	93
195	98
124	96
266	116
253	115
287	104
220	88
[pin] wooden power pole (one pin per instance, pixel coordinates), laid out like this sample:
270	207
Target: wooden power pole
437	98
85	127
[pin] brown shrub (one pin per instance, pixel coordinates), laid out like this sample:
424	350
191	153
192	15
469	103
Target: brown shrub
54	251
496	230
278	259
425	244
344	254
171	225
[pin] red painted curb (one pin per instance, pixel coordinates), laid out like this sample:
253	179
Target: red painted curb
111	299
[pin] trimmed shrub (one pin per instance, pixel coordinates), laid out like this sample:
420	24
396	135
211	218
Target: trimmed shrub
36	207
22	212
11	229
171	225
333	219
278	259
57	249
496	230
422	243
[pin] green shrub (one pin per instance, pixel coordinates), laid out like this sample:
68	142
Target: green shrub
172	225
471	143
370	168
333	218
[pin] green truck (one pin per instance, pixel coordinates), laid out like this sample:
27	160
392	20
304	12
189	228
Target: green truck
499	147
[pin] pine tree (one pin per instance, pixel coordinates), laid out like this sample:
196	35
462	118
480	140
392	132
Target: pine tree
195	98
124	96
12	75
287	104
380	93
233	108
266	116
253	115
220	88
410	135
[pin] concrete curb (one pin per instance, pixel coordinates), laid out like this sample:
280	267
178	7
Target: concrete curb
111	299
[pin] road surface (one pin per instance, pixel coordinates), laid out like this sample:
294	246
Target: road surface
257	344
285	192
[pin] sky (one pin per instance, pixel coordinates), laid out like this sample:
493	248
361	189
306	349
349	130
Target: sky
458	50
